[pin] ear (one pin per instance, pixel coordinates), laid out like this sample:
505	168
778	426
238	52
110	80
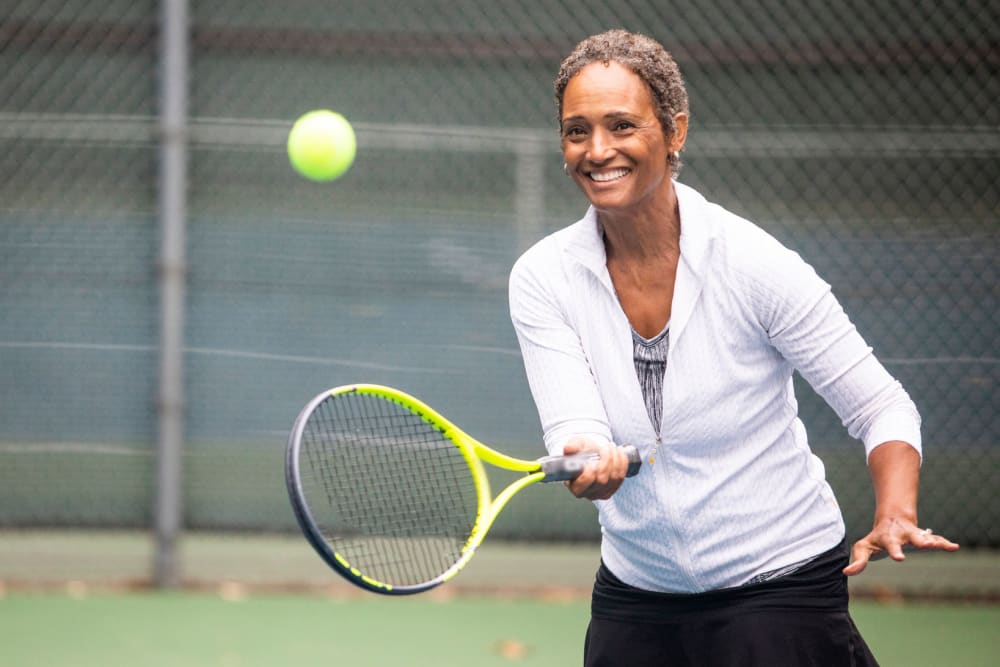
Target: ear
679	137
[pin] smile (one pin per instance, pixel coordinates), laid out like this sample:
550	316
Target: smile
612	175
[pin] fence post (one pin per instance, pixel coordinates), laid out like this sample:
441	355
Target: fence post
529	196
172	140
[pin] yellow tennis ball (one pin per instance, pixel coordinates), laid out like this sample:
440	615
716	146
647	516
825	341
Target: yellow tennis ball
322	145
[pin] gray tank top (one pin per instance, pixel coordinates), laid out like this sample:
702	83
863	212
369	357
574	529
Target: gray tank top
650	357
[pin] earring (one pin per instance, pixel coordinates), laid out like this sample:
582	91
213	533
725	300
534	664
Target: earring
565	168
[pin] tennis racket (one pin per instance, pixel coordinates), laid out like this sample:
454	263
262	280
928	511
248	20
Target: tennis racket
392	495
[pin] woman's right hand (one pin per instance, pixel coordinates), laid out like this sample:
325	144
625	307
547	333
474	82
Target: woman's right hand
601	478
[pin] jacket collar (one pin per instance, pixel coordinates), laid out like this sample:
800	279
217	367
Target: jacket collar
698	227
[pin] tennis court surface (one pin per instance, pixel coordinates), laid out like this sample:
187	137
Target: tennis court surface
83	598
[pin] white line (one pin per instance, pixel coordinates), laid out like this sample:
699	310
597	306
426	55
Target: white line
271	134
914	361
260	356
325	361
73	448
481	348
108	347
333	361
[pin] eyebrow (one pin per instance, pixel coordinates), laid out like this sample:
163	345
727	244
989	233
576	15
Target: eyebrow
609	115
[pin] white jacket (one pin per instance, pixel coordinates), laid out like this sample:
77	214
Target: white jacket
734	490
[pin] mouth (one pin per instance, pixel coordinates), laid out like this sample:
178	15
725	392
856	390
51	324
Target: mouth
609	175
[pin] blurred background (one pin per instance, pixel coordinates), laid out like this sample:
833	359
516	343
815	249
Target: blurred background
172	293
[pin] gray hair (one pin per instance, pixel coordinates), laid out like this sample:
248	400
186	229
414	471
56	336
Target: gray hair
644	56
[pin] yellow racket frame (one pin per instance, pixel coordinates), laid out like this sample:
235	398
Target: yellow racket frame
475	454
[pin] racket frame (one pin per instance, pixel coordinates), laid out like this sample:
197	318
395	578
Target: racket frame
474	454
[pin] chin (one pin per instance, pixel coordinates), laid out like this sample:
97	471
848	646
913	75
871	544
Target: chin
603	202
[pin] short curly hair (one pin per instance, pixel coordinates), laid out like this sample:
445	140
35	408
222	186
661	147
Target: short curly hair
644	56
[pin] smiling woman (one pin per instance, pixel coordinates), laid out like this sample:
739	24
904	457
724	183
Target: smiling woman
614	143
663	321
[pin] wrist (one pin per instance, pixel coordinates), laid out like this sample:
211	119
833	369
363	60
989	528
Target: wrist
901	513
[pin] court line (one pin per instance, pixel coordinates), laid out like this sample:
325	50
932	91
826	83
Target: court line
915	361
334	361
325	361
271	134
219	352
72	448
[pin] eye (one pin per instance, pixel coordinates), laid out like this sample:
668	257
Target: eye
573	132
623	126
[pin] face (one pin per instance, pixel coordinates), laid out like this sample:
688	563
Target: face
613	143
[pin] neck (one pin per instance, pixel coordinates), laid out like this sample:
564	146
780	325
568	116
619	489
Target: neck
646	231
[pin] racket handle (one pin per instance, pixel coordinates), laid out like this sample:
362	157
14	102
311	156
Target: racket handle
562	468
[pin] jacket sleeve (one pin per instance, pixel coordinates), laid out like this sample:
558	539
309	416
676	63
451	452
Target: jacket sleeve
808	326
559	374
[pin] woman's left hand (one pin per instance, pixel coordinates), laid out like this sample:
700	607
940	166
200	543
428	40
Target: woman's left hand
891	537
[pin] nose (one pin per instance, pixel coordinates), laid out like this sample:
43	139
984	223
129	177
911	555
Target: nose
601	147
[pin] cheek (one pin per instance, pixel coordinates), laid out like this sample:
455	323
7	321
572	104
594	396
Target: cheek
658	153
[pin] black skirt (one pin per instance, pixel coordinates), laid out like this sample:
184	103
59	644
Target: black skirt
796	620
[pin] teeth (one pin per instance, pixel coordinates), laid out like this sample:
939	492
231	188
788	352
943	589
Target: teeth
606	176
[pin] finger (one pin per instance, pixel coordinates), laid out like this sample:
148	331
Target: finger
594	485
599	486
855	567
581	485
922	538
860	555
894	548
617	460
604	467
602	477
926	539
577	489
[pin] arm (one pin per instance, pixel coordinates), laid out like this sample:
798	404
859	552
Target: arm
810	329
895	472
876	409
562	382
558	371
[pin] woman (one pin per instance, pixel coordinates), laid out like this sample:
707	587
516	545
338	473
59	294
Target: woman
664	321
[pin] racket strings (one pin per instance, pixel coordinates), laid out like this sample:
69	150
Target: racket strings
392	494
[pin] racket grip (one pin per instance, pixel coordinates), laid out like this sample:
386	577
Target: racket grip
563	468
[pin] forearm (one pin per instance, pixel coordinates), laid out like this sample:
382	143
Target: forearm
895	471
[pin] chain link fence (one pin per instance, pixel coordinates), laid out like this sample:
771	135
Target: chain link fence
864	135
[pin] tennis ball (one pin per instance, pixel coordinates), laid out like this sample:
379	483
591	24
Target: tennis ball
322	145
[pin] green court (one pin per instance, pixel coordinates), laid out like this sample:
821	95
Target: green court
81	598
231	630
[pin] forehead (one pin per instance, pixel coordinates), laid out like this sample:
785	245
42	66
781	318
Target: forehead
599	86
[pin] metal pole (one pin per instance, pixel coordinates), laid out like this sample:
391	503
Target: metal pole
529	195
172	275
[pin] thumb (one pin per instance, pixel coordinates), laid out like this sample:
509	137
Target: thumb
574	446
859	560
